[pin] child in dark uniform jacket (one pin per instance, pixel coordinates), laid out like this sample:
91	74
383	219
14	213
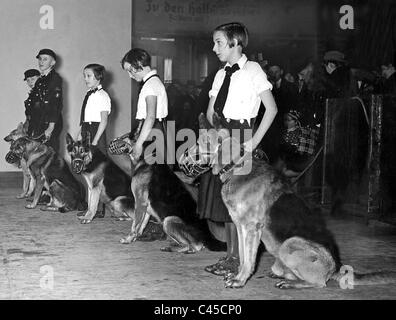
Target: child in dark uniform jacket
96	107
47	115
31	77
238	107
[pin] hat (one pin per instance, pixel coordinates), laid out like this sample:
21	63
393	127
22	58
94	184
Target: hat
31	73
334	56
47	52
294	114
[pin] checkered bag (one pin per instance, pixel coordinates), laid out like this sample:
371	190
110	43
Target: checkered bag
119	146
308	140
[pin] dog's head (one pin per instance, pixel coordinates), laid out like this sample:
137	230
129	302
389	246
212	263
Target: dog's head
18	148
80	153
214	149
19	132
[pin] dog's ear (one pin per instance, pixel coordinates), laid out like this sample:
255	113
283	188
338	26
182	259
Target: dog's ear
216	121
203	122
69	142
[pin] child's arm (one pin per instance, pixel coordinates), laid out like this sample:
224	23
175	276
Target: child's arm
210	111
151	112
102	127
269	115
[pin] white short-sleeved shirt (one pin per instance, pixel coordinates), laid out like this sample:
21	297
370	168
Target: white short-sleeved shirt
153	87
243	100
97	102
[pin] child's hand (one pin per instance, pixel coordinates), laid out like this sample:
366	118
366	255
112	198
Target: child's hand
248	146
137	151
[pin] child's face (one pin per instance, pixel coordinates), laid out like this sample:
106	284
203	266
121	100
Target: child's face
289	122
221	47
31	81
45	62
90	80
133	73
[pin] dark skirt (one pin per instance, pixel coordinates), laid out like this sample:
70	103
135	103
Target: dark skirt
92	128
160	150
210	203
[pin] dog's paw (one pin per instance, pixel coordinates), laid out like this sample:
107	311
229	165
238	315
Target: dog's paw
234	283
30	206
21	196
229	276
124	219
126	240
284	284
85	221
273	276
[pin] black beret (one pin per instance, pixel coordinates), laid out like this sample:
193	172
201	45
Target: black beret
31	73
47	52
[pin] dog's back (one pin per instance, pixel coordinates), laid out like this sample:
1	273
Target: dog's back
290	217
169	197
57	172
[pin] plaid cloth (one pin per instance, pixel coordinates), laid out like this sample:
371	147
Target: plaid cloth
308	140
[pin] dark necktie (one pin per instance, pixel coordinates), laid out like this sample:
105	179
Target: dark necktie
223	92
82	116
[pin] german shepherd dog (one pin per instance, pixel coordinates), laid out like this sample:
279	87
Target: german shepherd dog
106	182
19	132
263	207
47	169
161	195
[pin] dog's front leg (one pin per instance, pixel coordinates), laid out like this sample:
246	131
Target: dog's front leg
26	181
137	227
39	184
93	202
251	242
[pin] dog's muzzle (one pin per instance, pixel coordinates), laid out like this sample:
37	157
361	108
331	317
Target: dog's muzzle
12	157
119	146
77	165
192	163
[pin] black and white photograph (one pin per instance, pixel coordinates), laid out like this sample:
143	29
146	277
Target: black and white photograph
198	154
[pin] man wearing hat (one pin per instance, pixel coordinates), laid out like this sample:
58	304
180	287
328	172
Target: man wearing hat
339	81
49	89
31	76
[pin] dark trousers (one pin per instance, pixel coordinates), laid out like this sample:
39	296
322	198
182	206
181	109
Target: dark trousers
161	149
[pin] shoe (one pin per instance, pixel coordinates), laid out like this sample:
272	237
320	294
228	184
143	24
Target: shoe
215	266
231	265
100	214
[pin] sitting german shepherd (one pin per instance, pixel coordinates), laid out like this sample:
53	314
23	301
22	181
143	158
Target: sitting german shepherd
161	195
47	169
263	207
106	182
19	132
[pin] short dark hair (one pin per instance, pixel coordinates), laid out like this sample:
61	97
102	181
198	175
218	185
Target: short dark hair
234	30
97	69
138	58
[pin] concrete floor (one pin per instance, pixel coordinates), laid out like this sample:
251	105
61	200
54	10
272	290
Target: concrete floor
88	262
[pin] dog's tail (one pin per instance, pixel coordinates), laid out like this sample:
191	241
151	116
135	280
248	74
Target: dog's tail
365	279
